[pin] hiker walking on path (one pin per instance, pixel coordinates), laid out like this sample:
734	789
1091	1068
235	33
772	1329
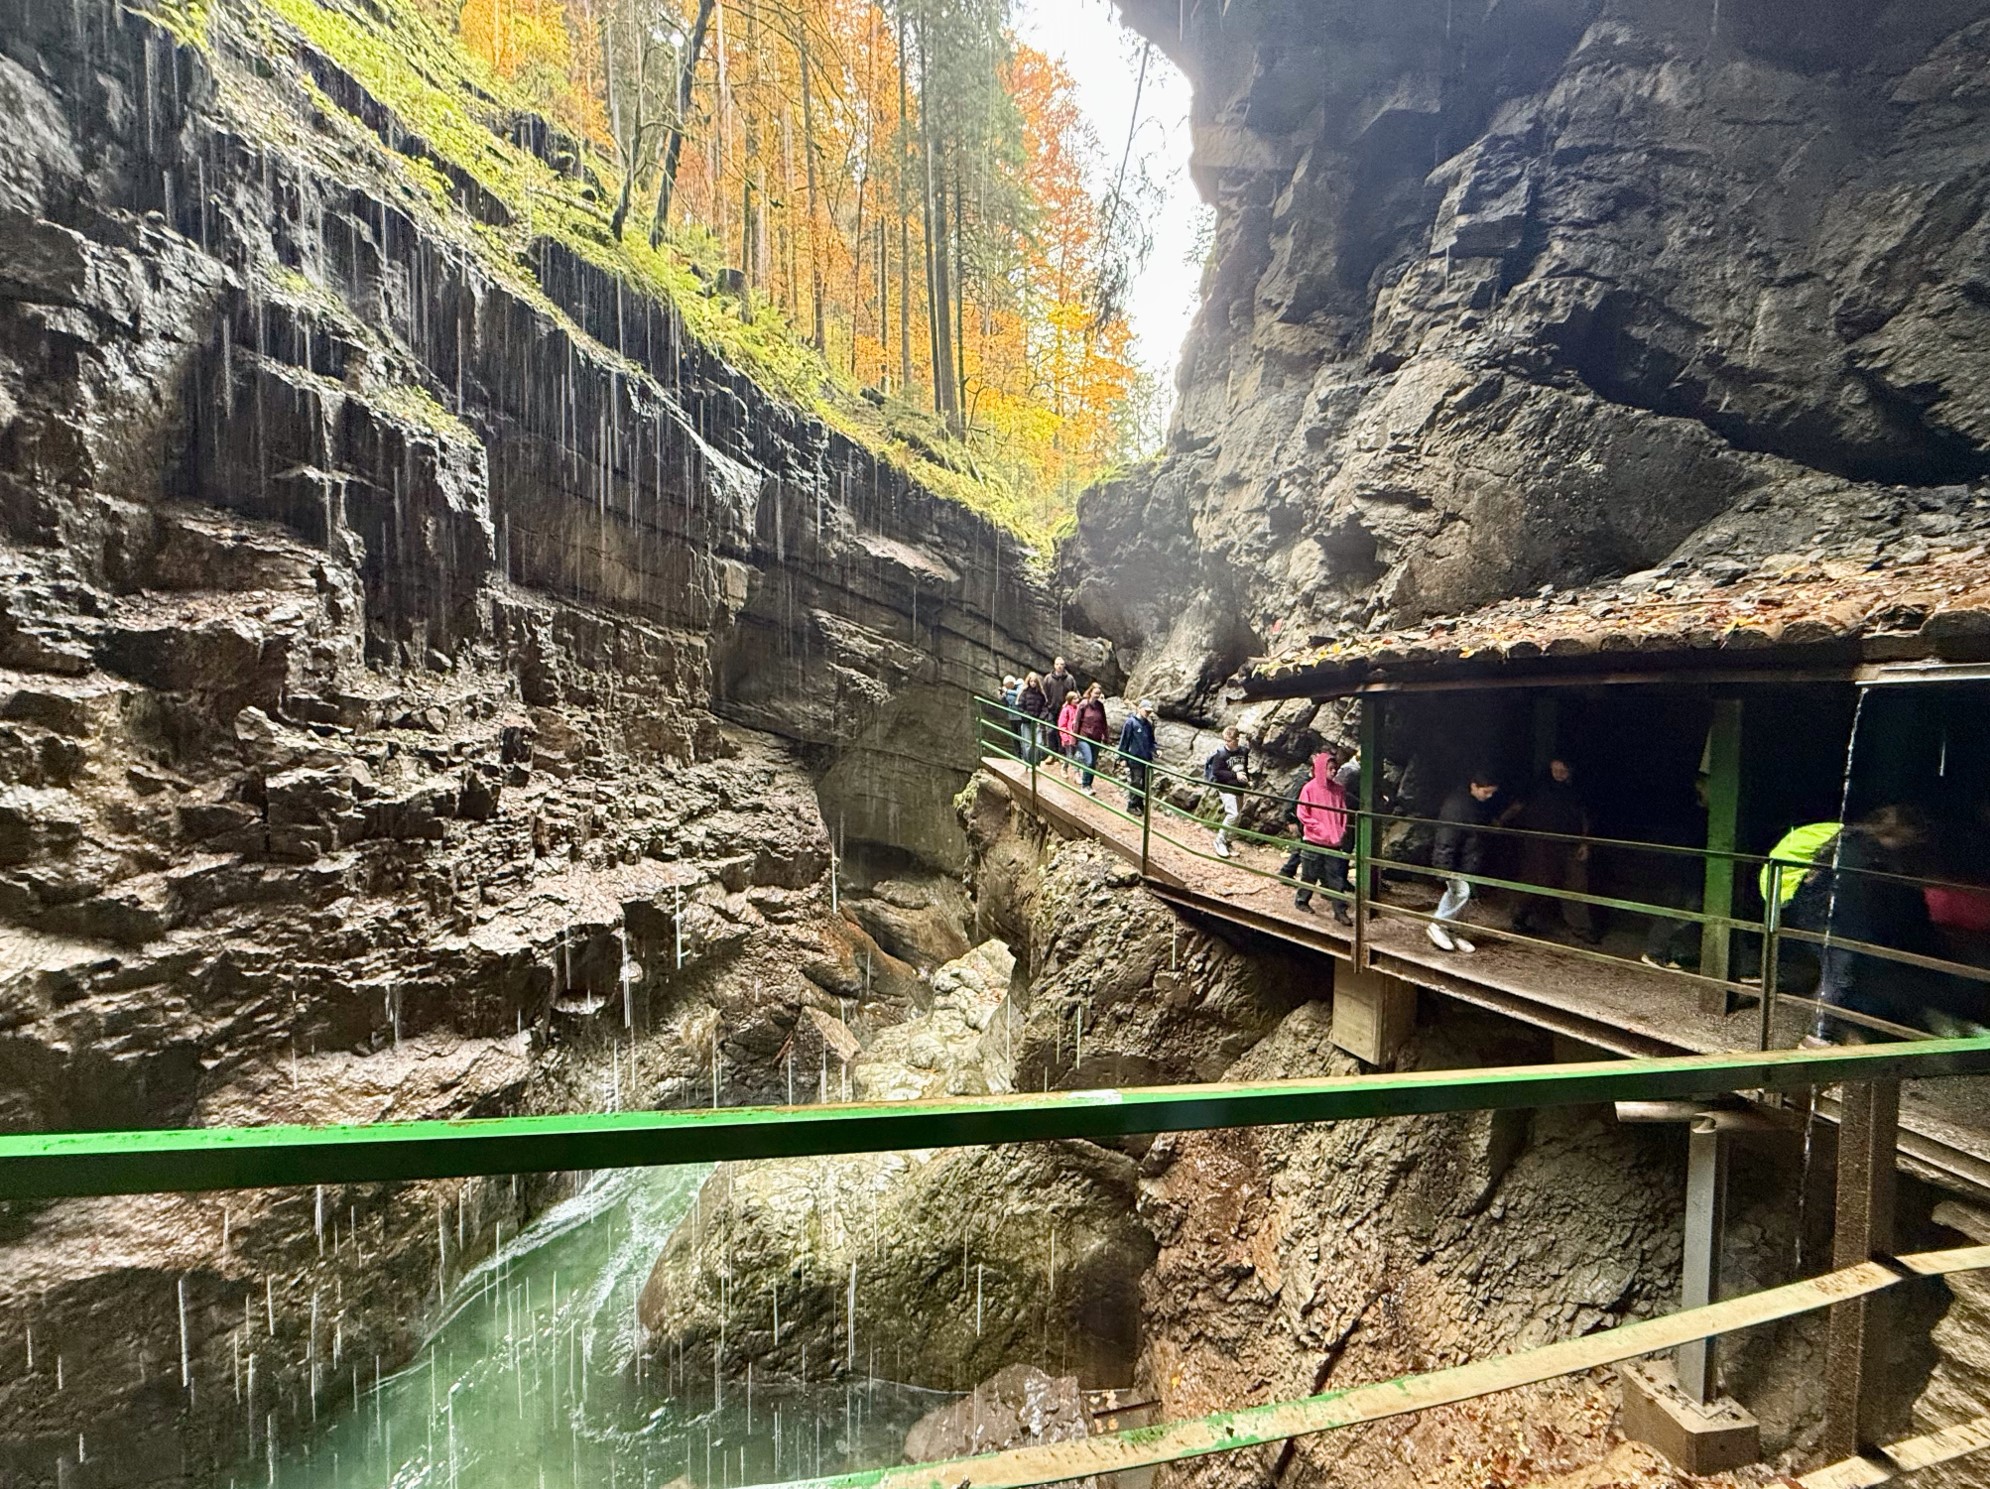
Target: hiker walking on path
1136	743
1226	769
1322	814
1058	687
1460	850
1090	728
1038	717
1067	727
1555	806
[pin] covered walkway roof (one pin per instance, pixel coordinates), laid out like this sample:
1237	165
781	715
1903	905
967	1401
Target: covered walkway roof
1828	619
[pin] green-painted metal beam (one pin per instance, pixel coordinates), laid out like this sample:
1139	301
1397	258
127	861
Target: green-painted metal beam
41	1165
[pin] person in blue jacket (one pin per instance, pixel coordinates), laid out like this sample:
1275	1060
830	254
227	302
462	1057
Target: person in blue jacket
1137	745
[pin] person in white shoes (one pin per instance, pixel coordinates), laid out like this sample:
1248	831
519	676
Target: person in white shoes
1460	850
1227	770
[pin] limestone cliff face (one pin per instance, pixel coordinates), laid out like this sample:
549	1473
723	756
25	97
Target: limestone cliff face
1522	293
424	690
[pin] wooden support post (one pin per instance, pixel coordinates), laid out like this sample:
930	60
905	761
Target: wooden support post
1723	818
1370	757
1373	1013
1700	1267
1868	1130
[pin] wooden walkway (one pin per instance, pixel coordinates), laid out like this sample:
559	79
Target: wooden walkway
1621	1006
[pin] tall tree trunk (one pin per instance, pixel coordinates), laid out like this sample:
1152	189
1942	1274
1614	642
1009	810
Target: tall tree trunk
808	170
939	313
904	223
960	307
618	127
673	147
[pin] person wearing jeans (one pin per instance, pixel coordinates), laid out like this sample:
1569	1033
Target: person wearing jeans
1225	770
1460	850
1137	745
1037	721
1323	820
1089	729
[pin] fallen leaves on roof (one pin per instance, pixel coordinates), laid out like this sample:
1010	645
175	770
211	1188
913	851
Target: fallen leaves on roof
1907	612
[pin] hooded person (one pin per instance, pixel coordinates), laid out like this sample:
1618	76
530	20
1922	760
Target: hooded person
1323	818
1137	746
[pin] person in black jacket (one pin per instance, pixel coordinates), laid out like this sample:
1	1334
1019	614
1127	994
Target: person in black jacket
1058	684
1555	806
1867	900
1227	770
1038	714
1136	744
1460	850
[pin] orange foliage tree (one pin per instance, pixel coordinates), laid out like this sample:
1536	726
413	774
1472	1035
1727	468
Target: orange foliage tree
904	182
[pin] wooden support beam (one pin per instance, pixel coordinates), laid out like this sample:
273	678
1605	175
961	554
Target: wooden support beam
1700	1269
1868	1134
1373	1013
1723	821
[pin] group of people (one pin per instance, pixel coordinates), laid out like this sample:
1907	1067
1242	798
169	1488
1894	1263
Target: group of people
1322	808
1852	882
1055	718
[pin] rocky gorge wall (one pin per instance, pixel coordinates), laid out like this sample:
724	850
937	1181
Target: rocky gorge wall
1527	293
430	685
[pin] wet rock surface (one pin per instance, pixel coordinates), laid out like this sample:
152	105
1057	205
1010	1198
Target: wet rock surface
427	688
1017	1408
1549	293
952	1274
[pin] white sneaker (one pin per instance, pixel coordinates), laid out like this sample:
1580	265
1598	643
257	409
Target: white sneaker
1462	944
1439	937
1222	849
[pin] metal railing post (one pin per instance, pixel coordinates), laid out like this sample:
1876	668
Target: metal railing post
1146	808
1032	747
1369	755
1772	942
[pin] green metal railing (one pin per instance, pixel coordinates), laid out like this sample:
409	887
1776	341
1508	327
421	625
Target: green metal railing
1004	731
49	1165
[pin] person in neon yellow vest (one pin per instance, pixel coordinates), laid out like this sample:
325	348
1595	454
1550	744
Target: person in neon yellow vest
1796	852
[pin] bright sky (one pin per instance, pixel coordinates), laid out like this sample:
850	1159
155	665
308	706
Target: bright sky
1104	57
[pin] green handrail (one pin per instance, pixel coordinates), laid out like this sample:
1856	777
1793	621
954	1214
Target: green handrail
45	1165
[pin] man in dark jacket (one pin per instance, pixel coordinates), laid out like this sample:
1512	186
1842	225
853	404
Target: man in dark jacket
1460	850
1058	684
1136	744
1227	770
1558	861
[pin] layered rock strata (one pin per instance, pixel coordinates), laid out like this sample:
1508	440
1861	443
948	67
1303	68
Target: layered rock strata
1528	293
430	685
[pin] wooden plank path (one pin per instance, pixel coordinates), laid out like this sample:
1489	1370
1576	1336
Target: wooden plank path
1621	1005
